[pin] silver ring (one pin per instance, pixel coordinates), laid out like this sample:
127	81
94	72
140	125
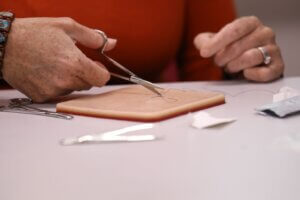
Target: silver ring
105	39
266	55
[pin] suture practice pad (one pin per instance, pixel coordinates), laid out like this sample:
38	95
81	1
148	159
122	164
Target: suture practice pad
138	104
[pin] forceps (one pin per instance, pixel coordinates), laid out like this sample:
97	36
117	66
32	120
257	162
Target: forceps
132	77
22	105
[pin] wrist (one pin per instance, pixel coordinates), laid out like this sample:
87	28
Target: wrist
6	19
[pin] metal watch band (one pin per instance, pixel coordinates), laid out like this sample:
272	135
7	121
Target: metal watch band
6	19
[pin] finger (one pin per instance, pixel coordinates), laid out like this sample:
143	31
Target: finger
101	65
202	39
262	74
84	35
81	85
250	58
111	43
267	73
230	33
94	73
260	37
73	84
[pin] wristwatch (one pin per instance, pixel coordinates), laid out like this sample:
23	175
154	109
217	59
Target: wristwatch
6	19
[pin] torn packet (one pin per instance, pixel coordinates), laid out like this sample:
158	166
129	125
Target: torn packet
282	108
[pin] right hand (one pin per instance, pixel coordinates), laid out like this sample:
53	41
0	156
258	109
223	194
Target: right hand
43	62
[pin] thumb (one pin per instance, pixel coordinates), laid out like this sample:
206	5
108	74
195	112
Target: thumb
201	41
86	36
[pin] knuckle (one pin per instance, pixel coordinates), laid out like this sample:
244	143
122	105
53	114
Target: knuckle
75	61
77	69
236	30
233	51
64	66
67	21
240	20
62	61
70	64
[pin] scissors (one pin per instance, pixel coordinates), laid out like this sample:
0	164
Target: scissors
132	77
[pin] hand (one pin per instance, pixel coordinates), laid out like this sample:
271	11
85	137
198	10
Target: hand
43	62
235	49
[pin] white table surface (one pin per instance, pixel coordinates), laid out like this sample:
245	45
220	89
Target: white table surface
257	157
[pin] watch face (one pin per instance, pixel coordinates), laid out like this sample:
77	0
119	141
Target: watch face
4	24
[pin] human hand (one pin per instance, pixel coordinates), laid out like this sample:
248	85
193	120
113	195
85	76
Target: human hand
43	62
235	48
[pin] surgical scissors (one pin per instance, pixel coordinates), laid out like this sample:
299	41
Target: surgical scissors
132	77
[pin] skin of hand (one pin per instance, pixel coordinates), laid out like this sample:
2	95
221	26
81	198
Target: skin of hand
43	62
234	47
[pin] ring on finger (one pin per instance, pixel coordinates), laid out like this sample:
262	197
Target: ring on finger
266	55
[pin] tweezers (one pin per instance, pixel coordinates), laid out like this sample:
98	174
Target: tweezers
132	77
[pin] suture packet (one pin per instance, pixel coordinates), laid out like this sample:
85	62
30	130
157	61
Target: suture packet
282	108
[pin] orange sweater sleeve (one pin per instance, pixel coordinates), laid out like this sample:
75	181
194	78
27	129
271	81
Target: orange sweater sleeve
202	16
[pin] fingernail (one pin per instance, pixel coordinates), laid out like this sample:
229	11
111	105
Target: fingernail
112	41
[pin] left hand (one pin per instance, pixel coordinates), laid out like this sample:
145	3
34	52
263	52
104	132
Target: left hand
235	48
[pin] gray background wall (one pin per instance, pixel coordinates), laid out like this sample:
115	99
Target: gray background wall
284	17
